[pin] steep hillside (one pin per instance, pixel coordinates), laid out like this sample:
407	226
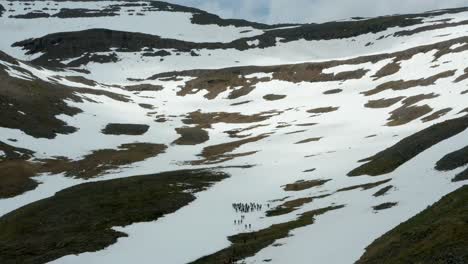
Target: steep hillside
259	143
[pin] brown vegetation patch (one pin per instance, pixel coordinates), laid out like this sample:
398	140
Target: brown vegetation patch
13	153
383	191
230	79
304	185
437	114
322	110
429	28
236	133
387	70
147	106
143	87
333	91
408	111
404	115
125	129
315	139
220	81
191	136
16	172
15	177
20	100
248	244
418	98
391	158
295	132
290	206
219	153
80	219
80	79
240	103
103	160
383	103
384	206
364	187
403	85
462	77
274	97
306	124
205	120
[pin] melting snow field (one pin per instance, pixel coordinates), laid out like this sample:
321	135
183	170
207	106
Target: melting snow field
202	227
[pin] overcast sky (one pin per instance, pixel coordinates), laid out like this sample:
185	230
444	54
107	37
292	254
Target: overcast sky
302	11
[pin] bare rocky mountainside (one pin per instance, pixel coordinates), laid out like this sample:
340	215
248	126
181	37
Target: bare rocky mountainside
149	132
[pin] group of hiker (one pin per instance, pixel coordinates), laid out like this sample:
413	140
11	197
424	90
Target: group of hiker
246	207
241	221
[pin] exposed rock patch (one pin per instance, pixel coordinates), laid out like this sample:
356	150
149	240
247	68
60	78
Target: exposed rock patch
462	176
384	206
220	153
191	136
387	70
314	139
205	120
304	185
437	114
274	97
125	129
383	191
383	103
143	88
403	85
322	110
453	160
408	111
333	91
365	186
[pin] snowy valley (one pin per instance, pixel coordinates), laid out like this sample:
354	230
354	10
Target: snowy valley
148	132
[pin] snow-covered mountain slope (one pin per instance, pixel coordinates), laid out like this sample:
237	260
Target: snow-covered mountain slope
178	38
316	143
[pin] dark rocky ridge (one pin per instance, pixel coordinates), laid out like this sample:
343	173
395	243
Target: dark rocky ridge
437	235
199	17
461	176
65	45
2	10
20	100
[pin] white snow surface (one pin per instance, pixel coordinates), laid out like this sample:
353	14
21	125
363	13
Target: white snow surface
202	227
177	25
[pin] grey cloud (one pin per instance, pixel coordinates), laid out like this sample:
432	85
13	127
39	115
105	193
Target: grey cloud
308	11
327	10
